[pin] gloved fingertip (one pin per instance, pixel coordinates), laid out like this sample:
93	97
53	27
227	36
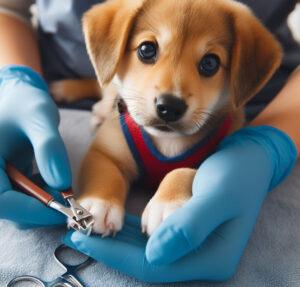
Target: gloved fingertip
87	245
53	164
67	238
76	239
60	176
161	245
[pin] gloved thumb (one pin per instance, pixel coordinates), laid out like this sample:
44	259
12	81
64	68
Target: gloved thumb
52	160
49	149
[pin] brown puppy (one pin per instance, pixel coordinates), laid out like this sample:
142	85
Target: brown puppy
181	67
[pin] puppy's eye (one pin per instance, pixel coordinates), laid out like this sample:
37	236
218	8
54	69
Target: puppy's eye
147	52
209	65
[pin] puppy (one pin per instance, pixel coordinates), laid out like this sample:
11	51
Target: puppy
184	70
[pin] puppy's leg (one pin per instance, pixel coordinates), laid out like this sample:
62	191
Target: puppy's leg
103	192
174	190
72	90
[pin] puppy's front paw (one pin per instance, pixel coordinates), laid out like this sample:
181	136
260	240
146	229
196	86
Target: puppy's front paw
108	216
156	212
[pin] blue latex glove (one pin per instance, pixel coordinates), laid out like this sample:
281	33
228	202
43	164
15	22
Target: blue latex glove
205	239
29	127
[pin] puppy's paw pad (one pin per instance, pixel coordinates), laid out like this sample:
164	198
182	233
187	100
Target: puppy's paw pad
108	216
156	212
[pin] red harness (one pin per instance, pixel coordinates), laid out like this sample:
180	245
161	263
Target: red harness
152	165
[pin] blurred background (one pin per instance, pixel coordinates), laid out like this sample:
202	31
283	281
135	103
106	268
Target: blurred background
294	22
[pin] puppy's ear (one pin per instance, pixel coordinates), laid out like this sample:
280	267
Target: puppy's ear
106	29
255	55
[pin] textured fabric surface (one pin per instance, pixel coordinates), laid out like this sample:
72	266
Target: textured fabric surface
272	258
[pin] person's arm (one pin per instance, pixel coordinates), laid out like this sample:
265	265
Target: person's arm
29	120
18	40
284	111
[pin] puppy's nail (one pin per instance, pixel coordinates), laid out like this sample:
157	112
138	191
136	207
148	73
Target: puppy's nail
105	234
112	230
111	227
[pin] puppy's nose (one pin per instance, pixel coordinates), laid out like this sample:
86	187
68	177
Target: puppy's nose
170	108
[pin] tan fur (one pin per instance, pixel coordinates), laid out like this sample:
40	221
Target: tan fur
169	196
184	31
165	191
72	90
110	35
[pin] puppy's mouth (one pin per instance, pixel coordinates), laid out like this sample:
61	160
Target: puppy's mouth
155	124
163	128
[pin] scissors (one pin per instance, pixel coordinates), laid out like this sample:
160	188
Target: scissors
68	279
79	218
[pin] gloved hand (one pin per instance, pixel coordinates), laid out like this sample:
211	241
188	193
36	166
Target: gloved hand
29	126
205	239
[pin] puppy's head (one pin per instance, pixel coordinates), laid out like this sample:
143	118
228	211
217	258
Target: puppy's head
179	65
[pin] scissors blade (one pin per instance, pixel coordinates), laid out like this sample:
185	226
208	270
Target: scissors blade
72	280
67	211
83	217
83	220
79	218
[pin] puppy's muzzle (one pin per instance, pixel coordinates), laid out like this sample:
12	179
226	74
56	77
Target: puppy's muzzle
170	108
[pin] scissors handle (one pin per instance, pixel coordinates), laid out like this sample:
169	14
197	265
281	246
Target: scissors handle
30	188
80	219
67	193
29	279
26	185
70	268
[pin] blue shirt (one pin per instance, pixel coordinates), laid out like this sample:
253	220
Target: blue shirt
62	45
61	39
